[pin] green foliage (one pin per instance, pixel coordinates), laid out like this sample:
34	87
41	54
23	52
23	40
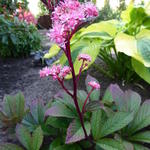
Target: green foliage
117	122
13	111
116	43
42	8
17	38
30	142
8	7
8	146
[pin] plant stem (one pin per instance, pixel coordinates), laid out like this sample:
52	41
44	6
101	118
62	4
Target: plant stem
81	68
75	88
83	108
63	86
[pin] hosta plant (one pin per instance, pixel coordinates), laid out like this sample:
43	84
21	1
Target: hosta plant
13	111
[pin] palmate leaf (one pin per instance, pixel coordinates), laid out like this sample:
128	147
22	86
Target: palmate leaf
140	147
96	124
68	147
9	146
142	118
75	132
115	123
37	139
59	109
93	106
14	105
132	101
81	94
114	94
58	122
36	115
141	137
66	99
96	93
24	136
110	144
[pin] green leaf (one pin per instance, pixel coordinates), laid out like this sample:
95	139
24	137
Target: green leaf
54	50
140	147
107	27
68	147
37	139
24	136
20	105
9	146
81	98
147	8
37	110
114	94
57	122
125	15
128	145
110	144
141	70
100	35
137	47
75	132
143	46
96	93
142	118
141	137
132	101
90	47
59	109
96	124
115	123
93	106
56	143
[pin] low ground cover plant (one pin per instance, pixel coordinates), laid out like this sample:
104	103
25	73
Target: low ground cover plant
77	119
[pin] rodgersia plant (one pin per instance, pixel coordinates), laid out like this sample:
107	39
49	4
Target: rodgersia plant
67	18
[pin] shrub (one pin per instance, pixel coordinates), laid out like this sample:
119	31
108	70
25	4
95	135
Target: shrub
8	7
17	38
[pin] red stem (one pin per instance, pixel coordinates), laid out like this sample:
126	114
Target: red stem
83	108
63	86
81	68
75	88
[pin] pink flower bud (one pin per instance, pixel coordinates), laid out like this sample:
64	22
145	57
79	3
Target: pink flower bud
94	85
85	57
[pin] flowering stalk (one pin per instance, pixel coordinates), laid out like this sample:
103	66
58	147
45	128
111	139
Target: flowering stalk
85	102
75	89
68	17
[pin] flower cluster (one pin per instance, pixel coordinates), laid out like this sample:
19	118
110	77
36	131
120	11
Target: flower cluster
67	17
94	85
56	71
26	16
